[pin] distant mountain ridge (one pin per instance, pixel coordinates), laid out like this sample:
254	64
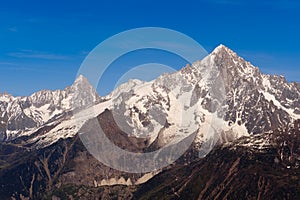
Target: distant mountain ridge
20	115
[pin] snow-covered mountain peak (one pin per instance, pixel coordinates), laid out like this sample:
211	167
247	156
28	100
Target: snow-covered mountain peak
83	94
81	80
81	83
224	52
222	47
232	64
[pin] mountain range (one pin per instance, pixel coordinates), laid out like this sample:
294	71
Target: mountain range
244	127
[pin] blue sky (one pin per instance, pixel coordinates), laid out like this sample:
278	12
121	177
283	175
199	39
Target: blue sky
44	43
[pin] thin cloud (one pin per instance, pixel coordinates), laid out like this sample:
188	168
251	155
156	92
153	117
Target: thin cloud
85	52
32	20
17	67
13	29
37	55
21	67
7	64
